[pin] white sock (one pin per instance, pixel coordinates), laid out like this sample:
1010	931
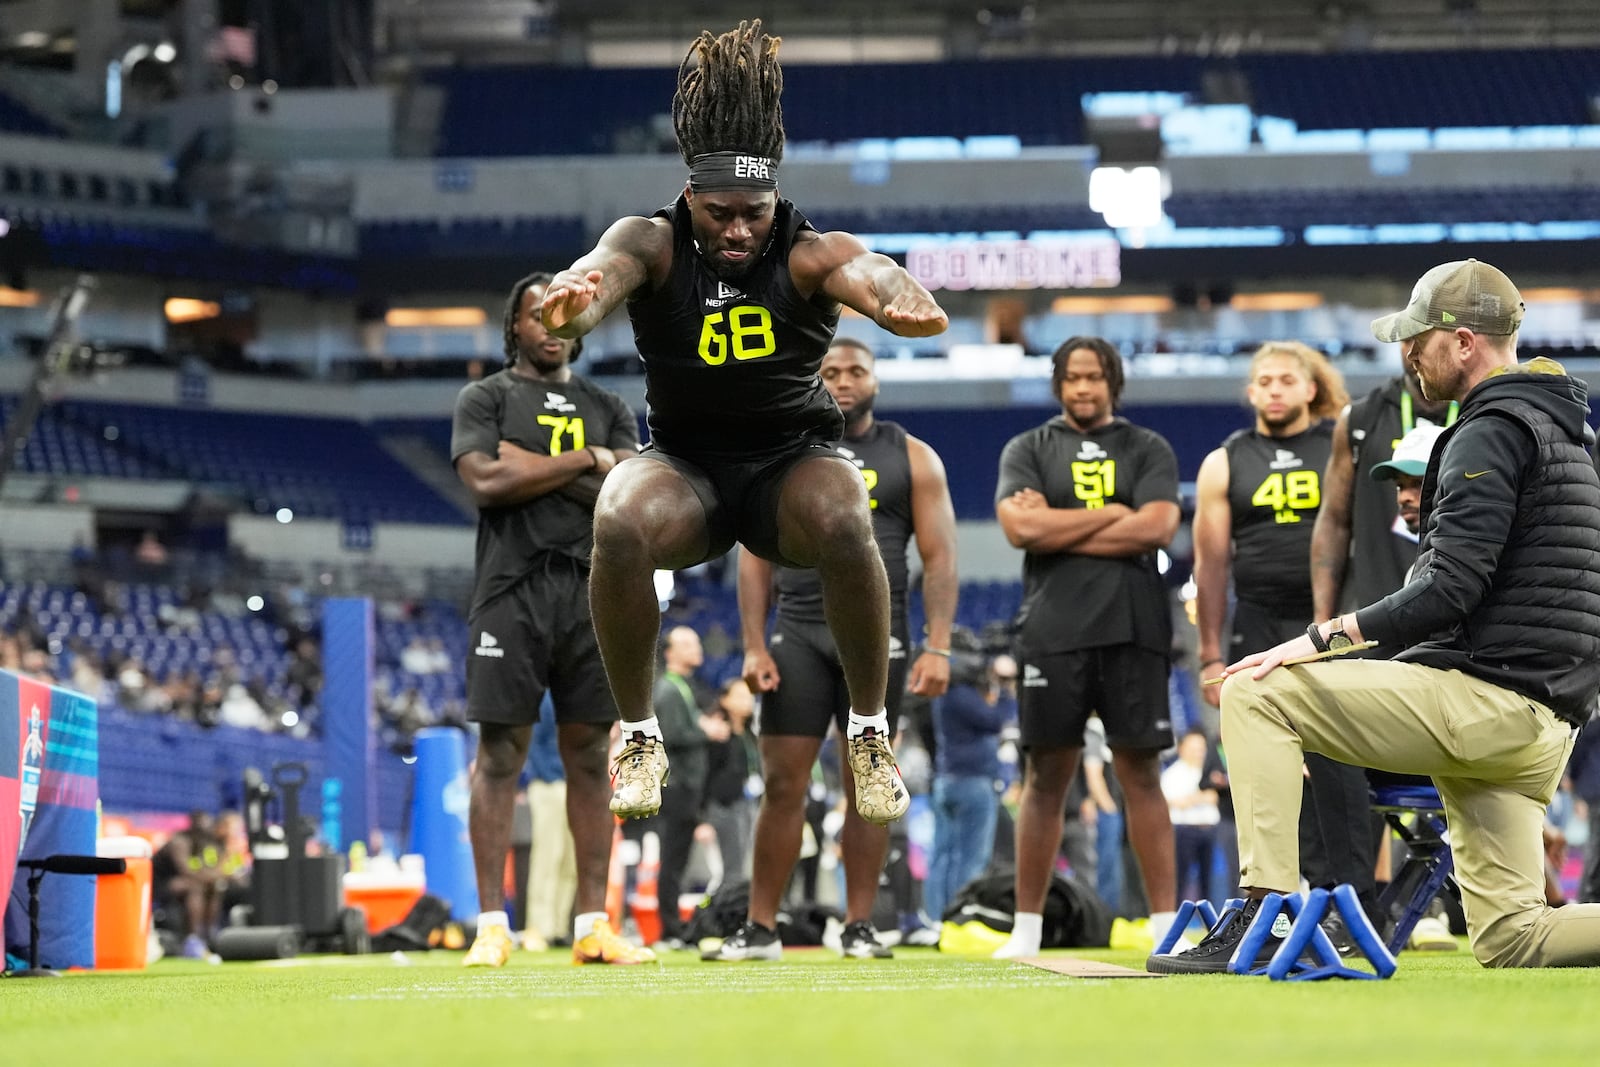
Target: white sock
1027	929
1160	923
650	727
859	724
487	919
583	925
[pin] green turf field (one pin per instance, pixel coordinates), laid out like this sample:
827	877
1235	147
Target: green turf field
920	1009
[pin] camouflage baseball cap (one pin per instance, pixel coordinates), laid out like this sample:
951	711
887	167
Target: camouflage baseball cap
1465	293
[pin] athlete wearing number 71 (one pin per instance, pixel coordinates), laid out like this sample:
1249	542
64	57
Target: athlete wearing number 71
734	298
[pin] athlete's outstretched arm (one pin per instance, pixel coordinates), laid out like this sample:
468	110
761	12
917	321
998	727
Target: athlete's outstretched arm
634	250
839	265
1330	537
933	521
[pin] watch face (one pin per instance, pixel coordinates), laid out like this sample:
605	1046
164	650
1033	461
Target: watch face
1338	639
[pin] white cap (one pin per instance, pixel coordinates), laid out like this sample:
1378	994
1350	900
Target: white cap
1410	455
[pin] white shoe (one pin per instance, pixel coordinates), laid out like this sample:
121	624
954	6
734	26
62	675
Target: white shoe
1016	949
1432	935
637	777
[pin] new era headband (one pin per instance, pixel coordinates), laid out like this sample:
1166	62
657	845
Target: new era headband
732	170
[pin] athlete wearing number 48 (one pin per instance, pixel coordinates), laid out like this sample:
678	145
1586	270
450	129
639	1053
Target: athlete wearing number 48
734	298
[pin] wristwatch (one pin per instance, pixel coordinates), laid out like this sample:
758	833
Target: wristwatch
1336	640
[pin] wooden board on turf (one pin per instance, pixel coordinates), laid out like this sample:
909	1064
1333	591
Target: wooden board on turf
1073	967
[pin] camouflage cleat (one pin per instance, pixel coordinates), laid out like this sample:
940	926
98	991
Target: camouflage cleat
637	777
881	797
604	945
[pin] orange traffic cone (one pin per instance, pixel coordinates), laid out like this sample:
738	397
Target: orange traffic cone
646	901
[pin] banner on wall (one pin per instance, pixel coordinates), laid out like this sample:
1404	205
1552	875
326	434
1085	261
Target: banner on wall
49	791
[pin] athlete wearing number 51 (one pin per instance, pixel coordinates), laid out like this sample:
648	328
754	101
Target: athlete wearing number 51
1092	498
734	298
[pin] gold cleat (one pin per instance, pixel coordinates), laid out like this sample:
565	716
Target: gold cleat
491	948
604	945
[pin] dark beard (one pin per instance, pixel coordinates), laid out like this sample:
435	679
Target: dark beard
858	414
540	363
727	272
1289	418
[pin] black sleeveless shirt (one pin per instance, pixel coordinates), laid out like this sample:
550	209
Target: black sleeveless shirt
881	456
1274	493
731	367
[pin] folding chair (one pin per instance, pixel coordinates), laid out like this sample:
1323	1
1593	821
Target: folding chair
1428	867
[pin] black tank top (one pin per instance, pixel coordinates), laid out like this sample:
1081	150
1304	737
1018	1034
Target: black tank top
1274	492
1379	554
731	367
881	456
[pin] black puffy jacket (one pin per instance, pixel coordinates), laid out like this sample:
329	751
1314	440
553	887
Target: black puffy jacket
1507	582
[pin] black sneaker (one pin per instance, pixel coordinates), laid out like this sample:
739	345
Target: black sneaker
860	941
1333	925
1212	954
751	941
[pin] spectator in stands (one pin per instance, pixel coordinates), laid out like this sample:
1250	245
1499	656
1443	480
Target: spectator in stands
733	780
415	657
1092	499
150	553
533	443
240	708
87	677
36	665
131	683
967	721
304	673
801	672
739	448
411	712
1193	807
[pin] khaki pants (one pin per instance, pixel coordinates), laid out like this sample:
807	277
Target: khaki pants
1495	756
552	863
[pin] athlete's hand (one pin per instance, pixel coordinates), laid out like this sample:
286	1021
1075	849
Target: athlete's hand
604	458
1212	693
930	675
911	314
1261	664
760	671
568	296
715	728
1029	499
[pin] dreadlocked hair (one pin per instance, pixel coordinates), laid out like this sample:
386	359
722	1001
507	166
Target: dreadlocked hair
727	98
514	302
